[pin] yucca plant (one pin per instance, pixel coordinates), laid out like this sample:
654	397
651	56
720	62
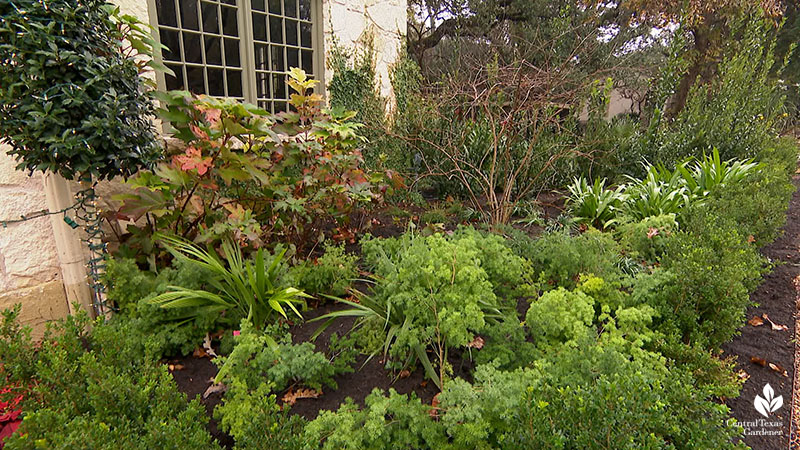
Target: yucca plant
710	172
249	288
595	204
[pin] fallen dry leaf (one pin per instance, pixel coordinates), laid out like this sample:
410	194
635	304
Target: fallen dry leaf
775	326
423	383
778	369
173	367
214	388
434	411
760	361
756	321
292	397
200	352
476	343
751	239
404	374
742	375
207	346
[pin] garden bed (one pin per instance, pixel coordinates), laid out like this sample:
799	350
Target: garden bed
776	297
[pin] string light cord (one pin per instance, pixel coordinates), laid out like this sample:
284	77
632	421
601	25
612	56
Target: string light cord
90	216
43	213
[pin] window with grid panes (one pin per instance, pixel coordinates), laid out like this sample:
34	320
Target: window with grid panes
236	48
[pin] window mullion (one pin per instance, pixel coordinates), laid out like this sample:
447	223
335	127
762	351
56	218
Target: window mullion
317	46
247	51
201	25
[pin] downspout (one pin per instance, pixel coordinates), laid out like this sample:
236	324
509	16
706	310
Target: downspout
69	246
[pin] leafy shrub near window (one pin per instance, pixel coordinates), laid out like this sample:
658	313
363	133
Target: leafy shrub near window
100	390
71	97
253	176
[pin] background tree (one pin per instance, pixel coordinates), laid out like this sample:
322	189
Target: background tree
708	25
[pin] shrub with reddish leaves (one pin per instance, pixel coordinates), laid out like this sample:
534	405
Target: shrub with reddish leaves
9	411
254	176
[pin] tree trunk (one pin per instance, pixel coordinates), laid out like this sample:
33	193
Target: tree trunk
703	62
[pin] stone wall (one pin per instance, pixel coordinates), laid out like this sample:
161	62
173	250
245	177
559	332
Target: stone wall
29	266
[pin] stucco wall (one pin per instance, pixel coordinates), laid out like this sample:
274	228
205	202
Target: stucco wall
383	21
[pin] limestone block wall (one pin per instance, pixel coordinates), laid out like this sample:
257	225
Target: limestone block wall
29	264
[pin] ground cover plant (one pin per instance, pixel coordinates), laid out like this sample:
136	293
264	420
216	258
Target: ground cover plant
101	389
264	253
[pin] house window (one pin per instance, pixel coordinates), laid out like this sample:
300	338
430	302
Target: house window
241	49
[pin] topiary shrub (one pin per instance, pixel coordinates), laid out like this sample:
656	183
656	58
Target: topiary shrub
71	97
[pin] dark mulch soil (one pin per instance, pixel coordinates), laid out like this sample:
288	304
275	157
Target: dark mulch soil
197	375
193	380
775	297
358	384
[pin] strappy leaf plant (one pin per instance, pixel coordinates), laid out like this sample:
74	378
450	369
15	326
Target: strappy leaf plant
248	287
595	204
710	172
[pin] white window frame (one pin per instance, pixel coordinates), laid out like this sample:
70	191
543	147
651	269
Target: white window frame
247	46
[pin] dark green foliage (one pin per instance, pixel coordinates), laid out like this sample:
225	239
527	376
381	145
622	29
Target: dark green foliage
433	216
560	259
393	422
505	346
255	421
71	98
103	390
739	113
590	396
257	358
646	239
704	285
15	340
758	206
353	88
128	287
331	274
